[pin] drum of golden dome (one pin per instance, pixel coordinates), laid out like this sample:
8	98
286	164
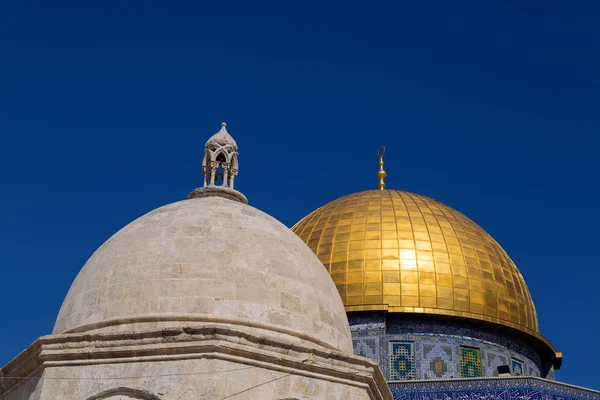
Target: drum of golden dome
396	251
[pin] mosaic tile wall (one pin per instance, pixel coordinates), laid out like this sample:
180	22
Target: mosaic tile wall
404	355
515	388
401	324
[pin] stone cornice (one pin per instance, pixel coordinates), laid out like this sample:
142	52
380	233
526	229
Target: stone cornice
232	343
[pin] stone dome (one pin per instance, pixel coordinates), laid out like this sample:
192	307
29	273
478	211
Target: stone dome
395	251
207	260
221	138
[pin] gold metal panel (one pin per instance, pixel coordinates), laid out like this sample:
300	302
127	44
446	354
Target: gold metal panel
402	252
445	292
372	265
460	282
409	277
340	277
409	265
410	289
354	300
426	266
372	289
341	245
372	276
426	277
477	308
354	289
445	304
391	277
410	301
390	265
339	256
427	302
355	265
391	289
393	301
389	254
476	298
443	268
373	300
426	290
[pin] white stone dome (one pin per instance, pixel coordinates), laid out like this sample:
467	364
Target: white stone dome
207	260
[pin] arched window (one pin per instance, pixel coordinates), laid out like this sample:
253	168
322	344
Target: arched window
124	393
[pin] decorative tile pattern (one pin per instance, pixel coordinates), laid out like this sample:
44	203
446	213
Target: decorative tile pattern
436	346
437	361
515	388
396	325
470	362
494	359
367	347
402	360
517	367
532	370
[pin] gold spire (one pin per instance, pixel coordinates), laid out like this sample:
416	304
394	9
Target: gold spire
381	173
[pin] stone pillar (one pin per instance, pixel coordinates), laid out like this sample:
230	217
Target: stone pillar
213	170
225	171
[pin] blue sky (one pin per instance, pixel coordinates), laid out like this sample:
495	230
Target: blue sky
489	107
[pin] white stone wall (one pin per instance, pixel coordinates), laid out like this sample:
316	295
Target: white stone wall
212	362
180	380
27	389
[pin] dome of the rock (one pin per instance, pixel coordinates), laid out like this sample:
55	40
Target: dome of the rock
396	251
428	292
207	260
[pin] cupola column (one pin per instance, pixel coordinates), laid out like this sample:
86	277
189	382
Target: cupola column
233	174
225	171
214	165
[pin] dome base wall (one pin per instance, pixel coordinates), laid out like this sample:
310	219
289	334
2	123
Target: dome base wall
414	346
185	363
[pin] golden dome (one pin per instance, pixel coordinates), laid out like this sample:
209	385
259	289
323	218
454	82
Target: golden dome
397	251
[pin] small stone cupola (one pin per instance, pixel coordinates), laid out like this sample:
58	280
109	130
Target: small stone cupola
220	159
220	167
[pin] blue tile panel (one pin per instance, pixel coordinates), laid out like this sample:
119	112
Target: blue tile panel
367	347
470	362
402	360
517	367
516	388
438	360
